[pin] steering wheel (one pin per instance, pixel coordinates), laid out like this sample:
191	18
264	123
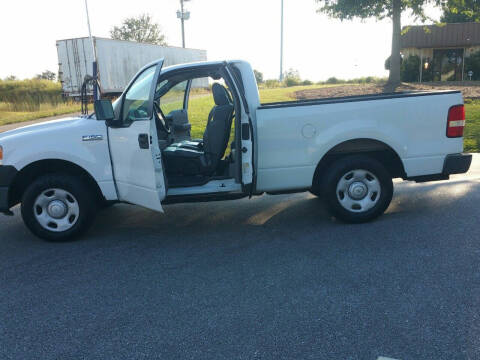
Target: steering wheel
161	119
138	113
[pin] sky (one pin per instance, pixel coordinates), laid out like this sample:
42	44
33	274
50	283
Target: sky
317	46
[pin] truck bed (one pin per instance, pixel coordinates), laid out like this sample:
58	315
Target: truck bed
345	99
293	136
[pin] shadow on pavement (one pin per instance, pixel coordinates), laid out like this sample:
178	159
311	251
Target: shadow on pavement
289	213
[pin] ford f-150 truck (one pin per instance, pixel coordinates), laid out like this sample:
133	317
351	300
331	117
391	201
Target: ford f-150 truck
139	149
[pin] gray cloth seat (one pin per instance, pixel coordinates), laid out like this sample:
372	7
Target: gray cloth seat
179	125
202	157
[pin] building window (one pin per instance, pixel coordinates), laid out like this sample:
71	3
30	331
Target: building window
447	64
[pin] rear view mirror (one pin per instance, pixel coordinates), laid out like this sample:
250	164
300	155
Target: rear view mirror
104	110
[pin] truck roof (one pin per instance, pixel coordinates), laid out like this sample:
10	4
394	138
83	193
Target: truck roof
200	63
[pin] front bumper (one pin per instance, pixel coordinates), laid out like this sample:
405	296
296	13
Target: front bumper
7	176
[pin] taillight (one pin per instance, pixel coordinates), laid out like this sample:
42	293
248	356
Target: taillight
456	121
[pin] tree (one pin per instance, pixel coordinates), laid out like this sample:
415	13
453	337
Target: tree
11	78
410	69
291	77
139	29
258	76
363	9
455	11
46	75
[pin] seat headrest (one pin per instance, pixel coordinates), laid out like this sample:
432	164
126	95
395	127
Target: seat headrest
220	94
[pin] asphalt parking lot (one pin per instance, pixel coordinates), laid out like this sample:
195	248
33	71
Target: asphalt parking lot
269	278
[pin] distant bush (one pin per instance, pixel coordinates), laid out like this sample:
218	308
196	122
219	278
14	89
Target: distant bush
388	62
272	83
361	80
291	82
307	82
472	63
334	80
258	76
410	69
27	95
367	80
292	78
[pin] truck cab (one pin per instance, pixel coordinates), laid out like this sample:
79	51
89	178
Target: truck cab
154	158
138	150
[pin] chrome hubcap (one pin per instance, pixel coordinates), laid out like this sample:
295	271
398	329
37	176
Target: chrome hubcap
56	210
358	190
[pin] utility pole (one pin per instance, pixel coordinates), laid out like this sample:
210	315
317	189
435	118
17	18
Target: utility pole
94	65
281	41
183	15
89	30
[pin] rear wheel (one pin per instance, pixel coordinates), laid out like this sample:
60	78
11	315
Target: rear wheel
316	191
357	189
58	207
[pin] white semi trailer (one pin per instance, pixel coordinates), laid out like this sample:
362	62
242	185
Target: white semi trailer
117	62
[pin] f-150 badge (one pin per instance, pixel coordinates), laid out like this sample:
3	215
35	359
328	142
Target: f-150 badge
92	137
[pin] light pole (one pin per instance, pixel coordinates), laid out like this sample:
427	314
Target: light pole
94	70
183	15
281	41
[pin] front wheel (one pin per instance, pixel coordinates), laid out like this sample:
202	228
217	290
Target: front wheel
58	207
357	189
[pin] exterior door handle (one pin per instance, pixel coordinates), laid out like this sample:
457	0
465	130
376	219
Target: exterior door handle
144	141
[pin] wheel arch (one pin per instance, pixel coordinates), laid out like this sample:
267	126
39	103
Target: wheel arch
376	149
34	170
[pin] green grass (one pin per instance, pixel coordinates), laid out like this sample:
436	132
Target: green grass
46	110
472	128
200	105
30	95
24	100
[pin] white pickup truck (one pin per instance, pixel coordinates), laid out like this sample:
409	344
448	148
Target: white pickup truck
139	150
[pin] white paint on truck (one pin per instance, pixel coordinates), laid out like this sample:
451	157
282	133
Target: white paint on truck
414	127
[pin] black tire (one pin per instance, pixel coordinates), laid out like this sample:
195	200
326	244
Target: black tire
85	202
106	204
341	168
315	191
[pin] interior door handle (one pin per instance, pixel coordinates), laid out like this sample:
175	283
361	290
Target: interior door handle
144	141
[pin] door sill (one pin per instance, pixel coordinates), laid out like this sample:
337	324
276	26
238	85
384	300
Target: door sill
212	187
178	199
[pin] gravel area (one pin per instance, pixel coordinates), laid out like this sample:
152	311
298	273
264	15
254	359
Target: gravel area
470	90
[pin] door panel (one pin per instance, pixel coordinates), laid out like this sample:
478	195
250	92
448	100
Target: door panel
247	135
136	157
138	172
247	150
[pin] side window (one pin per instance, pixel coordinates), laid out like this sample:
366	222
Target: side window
200	103
135	105
174	98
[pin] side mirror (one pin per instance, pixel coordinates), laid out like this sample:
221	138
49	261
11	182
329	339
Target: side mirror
104	110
